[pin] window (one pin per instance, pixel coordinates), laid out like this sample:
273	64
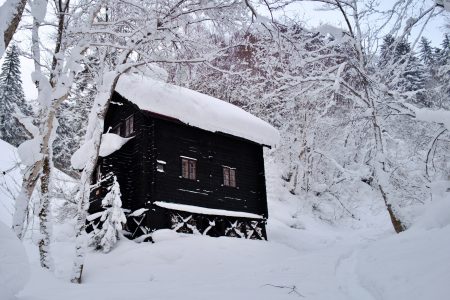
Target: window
129	125
160	164
98	179
188	168
229	176
99	174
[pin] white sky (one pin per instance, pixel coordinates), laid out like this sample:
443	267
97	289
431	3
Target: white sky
310	14
313	16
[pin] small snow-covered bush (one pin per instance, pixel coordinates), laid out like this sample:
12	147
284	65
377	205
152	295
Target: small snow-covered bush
106	233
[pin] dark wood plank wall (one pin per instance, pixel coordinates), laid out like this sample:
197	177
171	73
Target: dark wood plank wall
155	139
128	164
212	151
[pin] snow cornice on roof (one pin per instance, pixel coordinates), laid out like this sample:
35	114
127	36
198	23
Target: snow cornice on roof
195	109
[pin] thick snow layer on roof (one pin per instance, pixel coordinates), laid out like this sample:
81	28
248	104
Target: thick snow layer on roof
206	211
195	109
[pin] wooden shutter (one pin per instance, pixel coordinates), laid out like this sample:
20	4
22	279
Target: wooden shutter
233	177
184	168
129	125
226	176
192	169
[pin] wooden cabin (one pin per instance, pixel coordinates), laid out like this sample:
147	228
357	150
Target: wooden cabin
187	161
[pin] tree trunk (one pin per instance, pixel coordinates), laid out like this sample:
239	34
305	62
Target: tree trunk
12	10
29	182
86	178
44	217
398	226
379	166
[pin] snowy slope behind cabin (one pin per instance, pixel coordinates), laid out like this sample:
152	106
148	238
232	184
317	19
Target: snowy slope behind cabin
195	109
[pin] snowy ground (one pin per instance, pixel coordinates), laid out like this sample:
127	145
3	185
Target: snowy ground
304	258
311	263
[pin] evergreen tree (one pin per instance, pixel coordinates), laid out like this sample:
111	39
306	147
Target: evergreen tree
427	54
12	100
398	55
111	220
73	117
386	54
402	49
414	75
443	73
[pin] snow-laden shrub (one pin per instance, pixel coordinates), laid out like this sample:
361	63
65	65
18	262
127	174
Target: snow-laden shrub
107	231
14	268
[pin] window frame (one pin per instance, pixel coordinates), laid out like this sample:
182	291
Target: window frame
129	126
160	166
99	173
117	129
189	168
229	176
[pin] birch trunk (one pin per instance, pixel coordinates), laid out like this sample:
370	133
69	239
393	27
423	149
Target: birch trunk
11	13
32	173
43	168
100	107
49	131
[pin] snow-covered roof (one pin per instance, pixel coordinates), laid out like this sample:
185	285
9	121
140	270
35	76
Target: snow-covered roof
195	109
207	211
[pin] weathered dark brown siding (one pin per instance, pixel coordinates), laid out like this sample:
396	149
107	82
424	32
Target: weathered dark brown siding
212	151
160	138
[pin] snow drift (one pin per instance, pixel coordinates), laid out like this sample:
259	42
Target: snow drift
14	268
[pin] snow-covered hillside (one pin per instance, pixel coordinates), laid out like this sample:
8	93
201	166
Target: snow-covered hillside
304	258
10	179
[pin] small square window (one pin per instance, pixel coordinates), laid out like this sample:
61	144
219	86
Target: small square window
188	168
160	165
229	176
129	125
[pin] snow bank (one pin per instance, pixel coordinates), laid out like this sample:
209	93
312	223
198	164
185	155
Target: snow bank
10	180
436	213
195	109
429	115
164	235
206	211
413	265
111	143
14	268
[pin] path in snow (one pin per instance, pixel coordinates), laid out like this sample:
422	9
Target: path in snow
348	279
197	267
